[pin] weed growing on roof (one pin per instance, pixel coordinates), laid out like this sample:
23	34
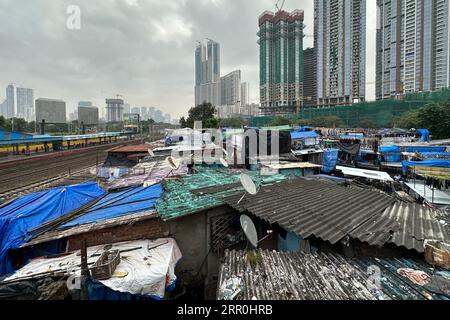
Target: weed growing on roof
254	258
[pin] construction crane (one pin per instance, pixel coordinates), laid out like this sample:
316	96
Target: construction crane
279	8
119	96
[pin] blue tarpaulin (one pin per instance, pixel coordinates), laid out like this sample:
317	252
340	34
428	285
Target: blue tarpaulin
304	135
389	149
126	202
330	157
426	163
420	149
23	215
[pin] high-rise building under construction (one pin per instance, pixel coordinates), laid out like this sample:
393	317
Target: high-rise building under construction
281	61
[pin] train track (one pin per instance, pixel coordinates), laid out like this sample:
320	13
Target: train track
24	178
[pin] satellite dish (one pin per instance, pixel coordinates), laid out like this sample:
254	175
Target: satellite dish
249	186
151	153
224	162
174	164
249	229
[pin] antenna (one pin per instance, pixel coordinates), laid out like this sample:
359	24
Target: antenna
249	186
249	229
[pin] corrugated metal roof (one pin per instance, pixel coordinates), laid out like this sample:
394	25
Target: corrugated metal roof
404	224
323	276
204	190
313	207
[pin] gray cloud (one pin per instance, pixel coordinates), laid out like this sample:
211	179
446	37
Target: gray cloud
142	49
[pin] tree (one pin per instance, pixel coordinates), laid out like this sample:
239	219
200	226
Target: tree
2	122
280	121
407	120
366	123
183	122
327	122
436	118
232	123
204	113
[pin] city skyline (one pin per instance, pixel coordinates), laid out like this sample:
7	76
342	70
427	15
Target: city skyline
156	57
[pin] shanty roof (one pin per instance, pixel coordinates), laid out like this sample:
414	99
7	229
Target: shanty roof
365	173
324	276
204	190
314	207
405	225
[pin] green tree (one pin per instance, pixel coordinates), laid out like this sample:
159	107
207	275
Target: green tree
436	118
280	121
407	120
204	112
366	123
327	122
183	123
2	122
232	123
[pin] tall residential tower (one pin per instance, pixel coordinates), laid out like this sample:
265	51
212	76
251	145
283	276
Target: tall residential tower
413	47
281	61
340	44
207	73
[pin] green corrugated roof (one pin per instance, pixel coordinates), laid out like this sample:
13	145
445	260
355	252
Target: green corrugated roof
181	199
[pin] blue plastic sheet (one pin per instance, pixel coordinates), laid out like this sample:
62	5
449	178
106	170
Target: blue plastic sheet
425	135
330	157
23	215
420	149
304	135
388	149
426	163
126	202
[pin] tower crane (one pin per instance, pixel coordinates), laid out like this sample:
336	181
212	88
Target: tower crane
280	7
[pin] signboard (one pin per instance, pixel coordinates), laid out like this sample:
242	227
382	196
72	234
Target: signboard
52	111
131	118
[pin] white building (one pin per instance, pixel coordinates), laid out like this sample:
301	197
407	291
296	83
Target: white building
9	109
25	104
230	87
245	93
207	73
114	110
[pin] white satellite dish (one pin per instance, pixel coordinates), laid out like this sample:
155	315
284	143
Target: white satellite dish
224	162
174	164
151	153
249	229
249	186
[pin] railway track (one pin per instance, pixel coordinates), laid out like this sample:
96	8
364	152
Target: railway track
24	178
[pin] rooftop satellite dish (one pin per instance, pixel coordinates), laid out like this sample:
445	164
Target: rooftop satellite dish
151	153
224	162
174	164
249	186
249	230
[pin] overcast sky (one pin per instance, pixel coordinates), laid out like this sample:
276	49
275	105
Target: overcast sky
141	49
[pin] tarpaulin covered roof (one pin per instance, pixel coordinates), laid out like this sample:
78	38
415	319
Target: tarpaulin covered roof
126	202
21	216
387	149
304	135
426	163
424	149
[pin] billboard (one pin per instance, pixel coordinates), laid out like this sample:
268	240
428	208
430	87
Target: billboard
88	115
131	117
52	111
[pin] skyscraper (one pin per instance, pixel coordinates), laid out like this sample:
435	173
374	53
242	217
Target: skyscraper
340	44
245	94
413	46
25	104
114	110
207	73
309	77
10	104
230	87
281	59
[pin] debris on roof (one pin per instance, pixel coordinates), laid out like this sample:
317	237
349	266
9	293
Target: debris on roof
324	276
147	267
